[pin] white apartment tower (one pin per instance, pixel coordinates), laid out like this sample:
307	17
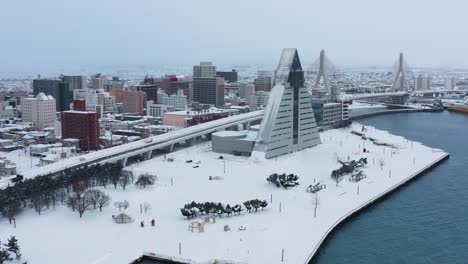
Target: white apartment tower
40	111
178	100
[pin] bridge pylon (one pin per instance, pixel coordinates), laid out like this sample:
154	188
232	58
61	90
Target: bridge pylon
401	70
323	66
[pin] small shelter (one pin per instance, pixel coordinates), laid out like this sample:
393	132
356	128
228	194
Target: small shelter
123	219
197	225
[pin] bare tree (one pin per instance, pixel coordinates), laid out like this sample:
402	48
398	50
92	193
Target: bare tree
80	202
114	178
83	204
103	201
124	204
98	198
11	208
62	195
71	202
146	206
125	178
38	203
93	196
145	179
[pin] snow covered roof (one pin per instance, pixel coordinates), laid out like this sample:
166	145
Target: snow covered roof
123	219
231	134
79	112
44	97
50	157
212	110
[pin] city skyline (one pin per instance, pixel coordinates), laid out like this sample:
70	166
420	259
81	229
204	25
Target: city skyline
53	35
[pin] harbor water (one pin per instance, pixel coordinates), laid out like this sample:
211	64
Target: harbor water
425	221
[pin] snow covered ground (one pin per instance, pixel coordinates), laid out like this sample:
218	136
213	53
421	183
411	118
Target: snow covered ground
24	161
60	236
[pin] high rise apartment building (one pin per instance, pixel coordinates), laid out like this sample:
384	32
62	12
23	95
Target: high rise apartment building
40	111
81	125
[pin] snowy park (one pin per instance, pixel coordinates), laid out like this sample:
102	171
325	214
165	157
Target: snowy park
287	230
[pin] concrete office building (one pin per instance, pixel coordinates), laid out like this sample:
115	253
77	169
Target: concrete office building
133	102
204	70
450	83
168	83
231	89
151	91
6	111
229	76
156	110
98	81
328	115
188	118
107	101
178	100
88	95
95	97
59	90
263	83
209	90
246	90
40	111
422	83
75	82
289	121
115	88
258	100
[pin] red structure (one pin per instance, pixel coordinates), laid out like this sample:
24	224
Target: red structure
79	105
83	126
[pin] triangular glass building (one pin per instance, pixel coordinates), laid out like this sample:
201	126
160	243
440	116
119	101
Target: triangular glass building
289	121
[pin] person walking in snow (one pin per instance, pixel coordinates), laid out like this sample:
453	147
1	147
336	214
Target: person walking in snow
153	222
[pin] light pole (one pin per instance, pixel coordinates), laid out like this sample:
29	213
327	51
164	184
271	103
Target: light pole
224	166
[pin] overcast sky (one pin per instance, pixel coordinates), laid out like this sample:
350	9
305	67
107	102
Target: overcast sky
70	33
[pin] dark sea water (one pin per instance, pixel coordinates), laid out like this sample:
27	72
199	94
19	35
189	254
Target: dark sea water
425	221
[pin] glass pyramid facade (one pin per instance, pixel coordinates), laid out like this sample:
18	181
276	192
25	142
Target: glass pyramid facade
289	122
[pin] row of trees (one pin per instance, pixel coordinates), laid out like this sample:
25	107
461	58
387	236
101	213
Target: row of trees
46	191
74	188
283	180
87	200
192	209
8	249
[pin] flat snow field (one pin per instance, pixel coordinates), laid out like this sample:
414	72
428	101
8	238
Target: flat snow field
60	236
